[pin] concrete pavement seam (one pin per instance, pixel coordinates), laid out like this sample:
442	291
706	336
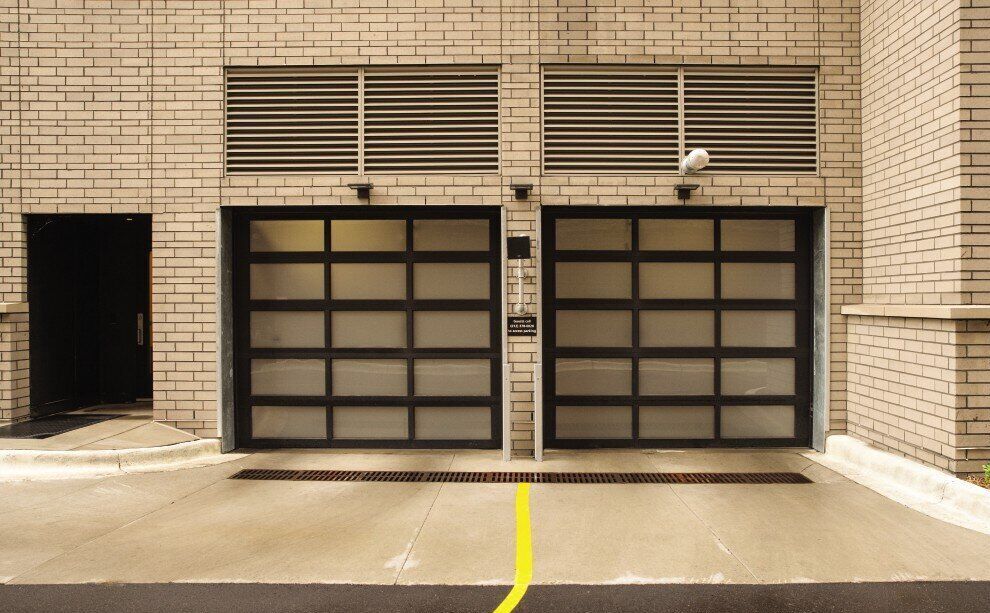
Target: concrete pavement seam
134	427
711	530
422	525
168	503
47	501
715	534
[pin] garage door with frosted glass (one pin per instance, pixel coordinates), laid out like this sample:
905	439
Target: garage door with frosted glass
680	328
368	328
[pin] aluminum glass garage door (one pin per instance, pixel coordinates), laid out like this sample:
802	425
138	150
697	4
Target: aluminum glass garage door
360	327
675	328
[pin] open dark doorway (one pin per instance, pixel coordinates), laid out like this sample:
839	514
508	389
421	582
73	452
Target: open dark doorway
89	295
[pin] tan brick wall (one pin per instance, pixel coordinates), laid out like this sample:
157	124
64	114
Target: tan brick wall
149	136
916	386
919	387
912	237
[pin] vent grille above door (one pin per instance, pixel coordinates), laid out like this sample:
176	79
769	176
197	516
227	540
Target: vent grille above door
753	122
292	122
439	122
610	121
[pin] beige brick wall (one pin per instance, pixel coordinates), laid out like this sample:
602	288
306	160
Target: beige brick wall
912	237
917	386
136	126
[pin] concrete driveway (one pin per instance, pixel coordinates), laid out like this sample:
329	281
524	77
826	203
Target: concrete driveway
197	525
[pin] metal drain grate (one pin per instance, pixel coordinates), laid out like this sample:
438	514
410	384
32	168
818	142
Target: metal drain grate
405	476
47	427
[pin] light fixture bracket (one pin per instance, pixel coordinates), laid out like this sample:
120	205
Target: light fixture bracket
522	190
363	190
683	190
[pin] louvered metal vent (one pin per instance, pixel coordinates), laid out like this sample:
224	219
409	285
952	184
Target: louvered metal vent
610	121
292	122
438	122
752	122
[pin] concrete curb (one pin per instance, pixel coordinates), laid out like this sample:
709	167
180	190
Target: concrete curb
21	464
914	485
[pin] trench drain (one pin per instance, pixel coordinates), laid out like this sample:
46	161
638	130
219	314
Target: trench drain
406	476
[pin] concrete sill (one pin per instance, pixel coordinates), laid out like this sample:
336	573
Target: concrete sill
13	307
920	311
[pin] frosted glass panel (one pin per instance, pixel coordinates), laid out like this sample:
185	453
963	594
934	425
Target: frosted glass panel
757	376
594	376
276	377
351	329
287	282
677	422
757	235
750	280
368	235
594	329
677	376
370	422
451	281
594	234
772	421
368	281
594	279
676	234
676	280
594	422
289	422
453	377
453	423
450	235
287	235
758	328
466	329
676	328
369	378
287	329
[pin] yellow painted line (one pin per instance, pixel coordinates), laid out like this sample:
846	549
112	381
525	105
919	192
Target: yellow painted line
524	552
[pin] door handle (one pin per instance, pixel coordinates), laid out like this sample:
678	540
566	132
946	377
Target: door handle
140	329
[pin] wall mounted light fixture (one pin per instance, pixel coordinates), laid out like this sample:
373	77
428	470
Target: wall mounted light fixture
518	248
684	191
363	190
522	190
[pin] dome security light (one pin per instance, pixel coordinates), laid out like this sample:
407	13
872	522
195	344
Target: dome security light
694	161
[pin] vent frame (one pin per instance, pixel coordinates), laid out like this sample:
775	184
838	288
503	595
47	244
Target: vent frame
665	87
684	73
342	138
364	158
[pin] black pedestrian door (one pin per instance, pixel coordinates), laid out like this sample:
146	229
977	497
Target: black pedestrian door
684	328
368	327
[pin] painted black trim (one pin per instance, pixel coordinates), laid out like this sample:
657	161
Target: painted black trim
243	305
801	304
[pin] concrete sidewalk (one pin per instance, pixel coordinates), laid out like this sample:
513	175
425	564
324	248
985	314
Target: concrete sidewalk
196	525
134	428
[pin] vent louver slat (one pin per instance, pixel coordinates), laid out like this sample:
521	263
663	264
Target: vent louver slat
750	122
610	121
439	122
292	122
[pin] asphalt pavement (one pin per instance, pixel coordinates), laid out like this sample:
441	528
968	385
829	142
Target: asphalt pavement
914	597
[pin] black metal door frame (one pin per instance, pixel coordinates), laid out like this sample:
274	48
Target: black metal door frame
801	305
243	305
88	282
